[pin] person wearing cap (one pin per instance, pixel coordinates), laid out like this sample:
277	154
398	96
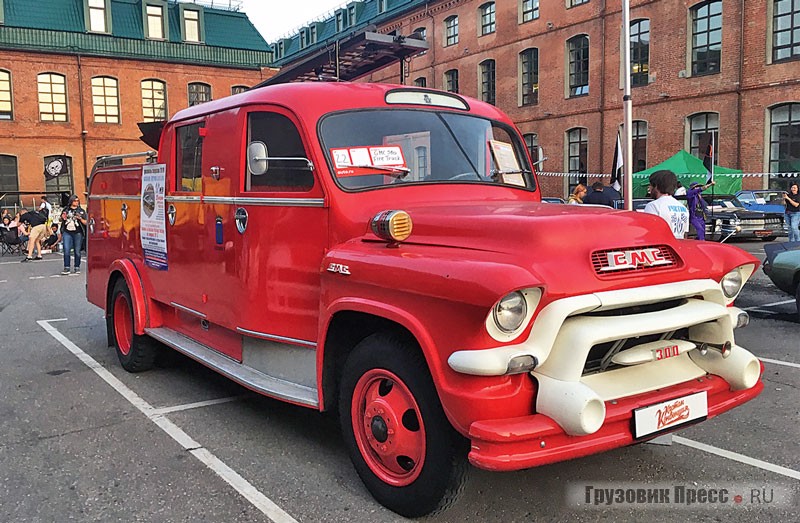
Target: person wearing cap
698	207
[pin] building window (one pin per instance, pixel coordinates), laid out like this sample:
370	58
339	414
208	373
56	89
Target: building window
421	82
6	104
199	93
784	142
706	37
488	81
62	182
422	34
785	30
9	180
97	10
155	21
530	10
52	90
105	99
577	155
351	16
189	169
639	145
191	25
701	127
422	162
154	100
339	21
312	35
303	40
578	47
382	6
451	80
573	3
487	18
279	50
640	52
236	89
529	76
532	144
450	30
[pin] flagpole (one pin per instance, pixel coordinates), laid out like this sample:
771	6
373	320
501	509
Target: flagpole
627	166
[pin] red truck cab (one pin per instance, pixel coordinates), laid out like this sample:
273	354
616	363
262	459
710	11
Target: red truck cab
383	251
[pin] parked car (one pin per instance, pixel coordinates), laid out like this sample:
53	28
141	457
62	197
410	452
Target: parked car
766	200
783	268
549	199
638	203
728	218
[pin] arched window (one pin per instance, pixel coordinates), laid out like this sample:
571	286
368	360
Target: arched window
421	82
784	142
706	37
529	76
52	90
199	93
487	86
487	12
529	10
236	89
154	100
9	180
532	144
578	49
640	52
451	80
639	145
701	128
105	99
450	30
577	155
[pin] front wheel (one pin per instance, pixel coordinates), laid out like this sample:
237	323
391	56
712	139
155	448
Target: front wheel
401	444
136	353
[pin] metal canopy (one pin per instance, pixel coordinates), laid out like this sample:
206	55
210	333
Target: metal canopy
347	60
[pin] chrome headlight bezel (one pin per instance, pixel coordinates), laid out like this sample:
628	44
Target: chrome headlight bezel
507	332
732	283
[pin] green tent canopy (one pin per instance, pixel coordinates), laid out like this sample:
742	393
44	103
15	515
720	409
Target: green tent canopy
690	169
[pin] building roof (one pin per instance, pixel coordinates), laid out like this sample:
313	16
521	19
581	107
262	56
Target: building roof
230	39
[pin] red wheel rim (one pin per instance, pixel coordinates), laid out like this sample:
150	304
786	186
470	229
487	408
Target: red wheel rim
388	427
123	323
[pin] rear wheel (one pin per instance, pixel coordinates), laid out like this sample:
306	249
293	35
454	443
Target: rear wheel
136	353
401	444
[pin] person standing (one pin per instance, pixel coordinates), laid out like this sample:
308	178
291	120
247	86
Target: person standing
73	225
792	202
576	198
698	209
662	185
598	197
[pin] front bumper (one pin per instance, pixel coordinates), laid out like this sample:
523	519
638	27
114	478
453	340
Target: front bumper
530	441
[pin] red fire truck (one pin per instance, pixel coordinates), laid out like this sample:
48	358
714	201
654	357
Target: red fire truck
383	251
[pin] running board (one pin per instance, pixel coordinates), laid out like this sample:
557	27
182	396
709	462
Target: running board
241	374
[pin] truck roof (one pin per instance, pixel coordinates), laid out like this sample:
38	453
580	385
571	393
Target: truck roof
314	99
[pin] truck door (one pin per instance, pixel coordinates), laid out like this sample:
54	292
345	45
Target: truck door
282	232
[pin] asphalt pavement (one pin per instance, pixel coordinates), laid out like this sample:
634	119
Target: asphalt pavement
83	440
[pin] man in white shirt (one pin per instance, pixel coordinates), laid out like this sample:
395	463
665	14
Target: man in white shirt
662	185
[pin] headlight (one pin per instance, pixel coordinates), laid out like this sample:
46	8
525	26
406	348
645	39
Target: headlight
510	312
732	283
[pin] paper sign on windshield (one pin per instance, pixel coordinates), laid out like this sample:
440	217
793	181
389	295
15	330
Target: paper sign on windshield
356	161
506	162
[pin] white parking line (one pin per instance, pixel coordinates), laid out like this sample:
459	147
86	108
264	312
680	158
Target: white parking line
241	485
36	277
199	404
747	460
779	362
784	302
762	311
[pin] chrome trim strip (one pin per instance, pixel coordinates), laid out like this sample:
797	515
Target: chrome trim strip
266	202
197	199
187	309
117	197
274	337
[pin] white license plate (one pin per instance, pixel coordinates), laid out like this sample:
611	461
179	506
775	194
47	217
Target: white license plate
669	414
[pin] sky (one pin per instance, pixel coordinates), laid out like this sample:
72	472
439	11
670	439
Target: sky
276	18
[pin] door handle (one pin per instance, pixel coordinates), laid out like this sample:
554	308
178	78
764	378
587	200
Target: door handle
171	214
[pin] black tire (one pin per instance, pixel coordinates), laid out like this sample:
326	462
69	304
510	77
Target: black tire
768	238
435	480
136	353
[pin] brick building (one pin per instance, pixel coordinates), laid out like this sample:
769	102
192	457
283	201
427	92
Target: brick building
727	67
76	76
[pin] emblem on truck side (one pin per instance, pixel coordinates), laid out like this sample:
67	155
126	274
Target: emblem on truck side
338	267
618	260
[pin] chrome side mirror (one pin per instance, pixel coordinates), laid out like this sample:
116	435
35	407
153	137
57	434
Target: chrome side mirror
257	158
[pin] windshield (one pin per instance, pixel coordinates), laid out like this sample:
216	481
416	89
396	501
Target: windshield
729	202
371	149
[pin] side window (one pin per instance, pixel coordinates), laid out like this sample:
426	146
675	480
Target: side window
190	158
287	167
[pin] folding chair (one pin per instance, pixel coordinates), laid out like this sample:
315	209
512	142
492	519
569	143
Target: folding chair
11	244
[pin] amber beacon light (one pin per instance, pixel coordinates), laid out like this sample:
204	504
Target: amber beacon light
392	225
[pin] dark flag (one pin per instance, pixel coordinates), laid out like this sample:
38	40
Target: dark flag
57	166
616	167
708	160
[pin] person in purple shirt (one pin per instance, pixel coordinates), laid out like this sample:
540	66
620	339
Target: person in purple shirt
697	207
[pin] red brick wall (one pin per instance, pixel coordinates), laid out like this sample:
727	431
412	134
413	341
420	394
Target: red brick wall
741	93
31	140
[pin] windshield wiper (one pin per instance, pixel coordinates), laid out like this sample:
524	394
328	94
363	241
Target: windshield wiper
511	171
399	172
